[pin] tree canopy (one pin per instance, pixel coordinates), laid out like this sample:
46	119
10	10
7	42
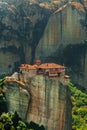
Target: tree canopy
79	108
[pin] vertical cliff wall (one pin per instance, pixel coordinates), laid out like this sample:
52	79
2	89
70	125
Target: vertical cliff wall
65	40
20	21
17	99
50	103
47	102
64	27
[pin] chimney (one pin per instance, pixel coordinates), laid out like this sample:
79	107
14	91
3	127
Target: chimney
38	62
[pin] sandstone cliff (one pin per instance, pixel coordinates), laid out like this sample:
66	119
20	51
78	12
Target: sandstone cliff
22	23
65	40
48	104
21	26
17	99
63	28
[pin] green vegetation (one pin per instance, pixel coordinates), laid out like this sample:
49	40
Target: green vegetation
79	108
2	85
3	103
13	122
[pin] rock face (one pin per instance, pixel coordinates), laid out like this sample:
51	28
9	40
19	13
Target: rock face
49	102
64	28
20	21
65	40
17	99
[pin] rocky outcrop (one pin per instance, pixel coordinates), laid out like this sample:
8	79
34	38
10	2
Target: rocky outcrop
50	103
20	21
65	40
65	27
47	103
17	99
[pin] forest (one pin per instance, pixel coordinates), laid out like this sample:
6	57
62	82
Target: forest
79	108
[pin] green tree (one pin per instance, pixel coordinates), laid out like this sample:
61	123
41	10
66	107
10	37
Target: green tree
21	125
3	104
1	126
15	119
3	85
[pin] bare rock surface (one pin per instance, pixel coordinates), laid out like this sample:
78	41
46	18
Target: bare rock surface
45	101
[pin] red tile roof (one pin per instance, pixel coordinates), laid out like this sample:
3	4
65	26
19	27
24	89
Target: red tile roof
43	66
38	62
51	65
26	66
32	67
